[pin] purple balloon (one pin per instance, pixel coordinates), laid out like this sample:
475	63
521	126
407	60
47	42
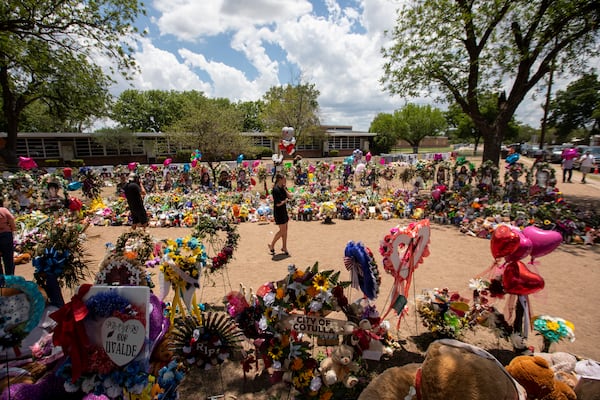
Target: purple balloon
543	241
524	249
436	194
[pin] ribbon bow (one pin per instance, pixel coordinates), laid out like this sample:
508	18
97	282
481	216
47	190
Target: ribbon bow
70	331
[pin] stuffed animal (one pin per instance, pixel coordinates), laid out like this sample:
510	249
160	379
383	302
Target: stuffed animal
536	376
393	384
452	370
339	367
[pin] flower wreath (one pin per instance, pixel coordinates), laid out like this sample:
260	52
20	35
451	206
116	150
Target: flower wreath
120	271
182	261
100	374
14	324
135	245
388	173
208	229
206	341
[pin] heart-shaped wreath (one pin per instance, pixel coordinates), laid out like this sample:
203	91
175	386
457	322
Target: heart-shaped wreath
208	230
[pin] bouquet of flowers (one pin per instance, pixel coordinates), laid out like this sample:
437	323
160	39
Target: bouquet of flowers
444	313
553	329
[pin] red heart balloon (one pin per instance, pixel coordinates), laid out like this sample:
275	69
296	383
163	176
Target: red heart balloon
504	241
518	279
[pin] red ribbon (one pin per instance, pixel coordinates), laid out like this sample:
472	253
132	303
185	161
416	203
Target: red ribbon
70	331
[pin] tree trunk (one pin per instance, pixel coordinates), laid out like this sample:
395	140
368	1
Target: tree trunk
9	151
492	141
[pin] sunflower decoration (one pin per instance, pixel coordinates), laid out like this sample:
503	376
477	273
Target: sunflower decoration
205	342
211	231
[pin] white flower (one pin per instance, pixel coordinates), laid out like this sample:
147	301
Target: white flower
477	284
276	365
315	306
71	387
112	389
262	324
88	384
315	384
269	299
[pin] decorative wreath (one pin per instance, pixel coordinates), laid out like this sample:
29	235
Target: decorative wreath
208	229
388	173
205	342
122	272
135	245
359	260
21	308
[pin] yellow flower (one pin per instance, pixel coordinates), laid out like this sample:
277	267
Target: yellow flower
570	325
275	352
270	314
547	222
303	300
320	282
553	326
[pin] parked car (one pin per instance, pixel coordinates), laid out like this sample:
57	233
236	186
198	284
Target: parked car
555	154
594	151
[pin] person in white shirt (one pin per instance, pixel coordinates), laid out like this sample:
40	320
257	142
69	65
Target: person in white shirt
586	164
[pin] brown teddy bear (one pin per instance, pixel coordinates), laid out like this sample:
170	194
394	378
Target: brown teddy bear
339	367
536	376
452	370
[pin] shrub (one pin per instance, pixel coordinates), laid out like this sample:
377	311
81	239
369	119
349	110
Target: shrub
334	153
76	162
52	163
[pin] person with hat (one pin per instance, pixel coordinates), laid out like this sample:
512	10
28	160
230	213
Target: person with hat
134	193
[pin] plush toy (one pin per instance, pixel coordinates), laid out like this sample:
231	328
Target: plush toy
452	370
339	367
536	376
393	384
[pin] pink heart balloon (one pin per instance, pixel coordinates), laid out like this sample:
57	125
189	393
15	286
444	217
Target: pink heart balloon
524	248
543	241
518	279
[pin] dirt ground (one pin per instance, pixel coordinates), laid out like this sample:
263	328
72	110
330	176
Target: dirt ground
571	274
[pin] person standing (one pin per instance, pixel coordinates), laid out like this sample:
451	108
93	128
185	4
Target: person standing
586	164
134	193
7	246
280	214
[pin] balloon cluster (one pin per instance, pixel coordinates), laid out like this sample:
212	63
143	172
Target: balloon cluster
514	245
196	157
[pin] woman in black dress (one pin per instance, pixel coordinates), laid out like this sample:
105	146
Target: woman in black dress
280	199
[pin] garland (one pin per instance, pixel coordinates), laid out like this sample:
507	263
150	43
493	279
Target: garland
126	273
209	228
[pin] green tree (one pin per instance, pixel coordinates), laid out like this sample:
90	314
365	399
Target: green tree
292	105
576	107
383	126
214	128
252	111
45	52
413	123
465	127
152	110
464	48
115	138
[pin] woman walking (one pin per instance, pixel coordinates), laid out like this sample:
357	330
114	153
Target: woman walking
280	199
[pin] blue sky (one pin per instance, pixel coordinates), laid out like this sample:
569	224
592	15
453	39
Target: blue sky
238	49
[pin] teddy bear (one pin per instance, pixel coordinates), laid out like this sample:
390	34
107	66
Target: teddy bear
451	370
339	367
536	376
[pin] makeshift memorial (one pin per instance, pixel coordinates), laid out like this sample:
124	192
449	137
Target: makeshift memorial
208	230
413	241
104	331
204	342
181	264
445	314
